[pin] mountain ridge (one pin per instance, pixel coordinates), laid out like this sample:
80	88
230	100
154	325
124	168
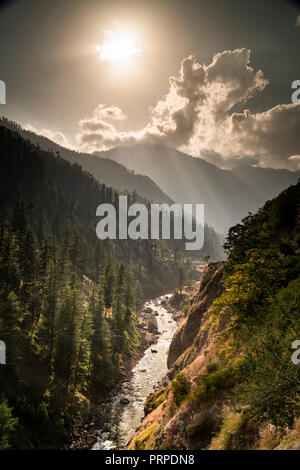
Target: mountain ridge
228	195
164	174
104	170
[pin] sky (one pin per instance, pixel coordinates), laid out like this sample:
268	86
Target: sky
209	77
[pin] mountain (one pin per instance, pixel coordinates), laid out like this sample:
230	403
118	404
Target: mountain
105	171
68	302
163	174
118	177
55	194
228	196
266	182
234	373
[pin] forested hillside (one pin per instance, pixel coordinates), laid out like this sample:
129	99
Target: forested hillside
116	178
68	302
105	171
234	384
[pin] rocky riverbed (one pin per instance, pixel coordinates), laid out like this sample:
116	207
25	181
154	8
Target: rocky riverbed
112	421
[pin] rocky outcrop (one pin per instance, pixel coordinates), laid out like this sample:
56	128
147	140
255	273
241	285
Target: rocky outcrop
192	348
209	289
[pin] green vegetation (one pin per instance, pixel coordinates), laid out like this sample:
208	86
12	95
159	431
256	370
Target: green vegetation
270	380
201	429
211	383
237	432
180	388
7	424
261	308
249	397
68	302
60	346
154	400
179	302
144	437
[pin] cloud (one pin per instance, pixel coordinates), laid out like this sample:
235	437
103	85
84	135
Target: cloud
297	21
198	115
55	136
274	134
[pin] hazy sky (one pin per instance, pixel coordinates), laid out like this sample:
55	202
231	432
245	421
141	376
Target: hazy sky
57	82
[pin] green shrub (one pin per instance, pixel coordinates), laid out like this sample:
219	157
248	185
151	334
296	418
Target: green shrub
171	410
238	432
153	401
201	429
180	388
213	382
270	380
211	367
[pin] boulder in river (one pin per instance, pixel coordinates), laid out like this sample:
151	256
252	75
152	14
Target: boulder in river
153	328
148	310
124	401
154	351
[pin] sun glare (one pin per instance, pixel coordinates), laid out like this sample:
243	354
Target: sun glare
119	46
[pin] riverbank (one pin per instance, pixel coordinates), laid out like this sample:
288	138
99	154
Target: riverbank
120	416
84	435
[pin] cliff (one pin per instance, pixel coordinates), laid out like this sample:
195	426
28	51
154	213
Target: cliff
233	383
191	337
191	349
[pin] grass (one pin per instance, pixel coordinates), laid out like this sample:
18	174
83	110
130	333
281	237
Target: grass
237	432
143	438
154	400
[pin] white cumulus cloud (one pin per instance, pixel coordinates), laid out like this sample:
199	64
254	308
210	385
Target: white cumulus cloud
56	136
198	115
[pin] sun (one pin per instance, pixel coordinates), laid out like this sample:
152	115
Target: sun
119	46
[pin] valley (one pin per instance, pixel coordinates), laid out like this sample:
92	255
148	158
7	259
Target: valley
70	308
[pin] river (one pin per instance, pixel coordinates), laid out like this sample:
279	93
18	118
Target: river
118	422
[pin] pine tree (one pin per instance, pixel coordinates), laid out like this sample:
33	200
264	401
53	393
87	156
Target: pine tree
118	327
102	370
8	424
83	351
46	327
66	337
181	279
109	286
138	296
9	266
99	260
11	333
64	257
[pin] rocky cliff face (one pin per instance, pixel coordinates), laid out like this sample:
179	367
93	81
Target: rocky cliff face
192	348
190	332
233	385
